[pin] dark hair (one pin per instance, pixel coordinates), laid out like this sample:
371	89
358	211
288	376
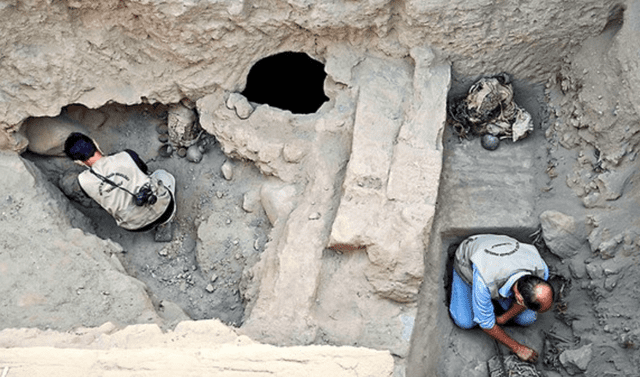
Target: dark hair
79	147
527	285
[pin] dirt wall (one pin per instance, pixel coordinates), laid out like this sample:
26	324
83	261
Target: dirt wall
130	52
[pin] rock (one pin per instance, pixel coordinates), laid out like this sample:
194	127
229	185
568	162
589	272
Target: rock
561	234
293	152
251	201
577	360
240	104
610	282
209	288
594	270
278	200
194	154
577	268
227	170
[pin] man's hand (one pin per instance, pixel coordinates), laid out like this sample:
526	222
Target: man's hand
526	354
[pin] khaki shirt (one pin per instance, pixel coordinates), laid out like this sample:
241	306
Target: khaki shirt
122	170
497	258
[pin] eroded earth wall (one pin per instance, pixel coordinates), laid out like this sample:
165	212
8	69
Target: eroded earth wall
55	53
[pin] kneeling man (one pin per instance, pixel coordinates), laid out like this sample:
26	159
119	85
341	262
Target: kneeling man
497	267
122	185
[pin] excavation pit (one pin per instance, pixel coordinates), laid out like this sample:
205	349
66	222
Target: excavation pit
214	240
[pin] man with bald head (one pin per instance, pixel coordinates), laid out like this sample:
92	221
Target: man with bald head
496	267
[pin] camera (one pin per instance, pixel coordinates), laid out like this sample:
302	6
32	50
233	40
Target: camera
145	196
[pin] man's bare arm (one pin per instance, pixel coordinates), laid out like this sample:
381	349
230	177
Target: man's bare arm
523	352
513	311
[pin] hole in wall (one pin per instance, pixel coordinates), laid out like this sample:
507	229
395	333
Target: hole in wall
290	81
204	284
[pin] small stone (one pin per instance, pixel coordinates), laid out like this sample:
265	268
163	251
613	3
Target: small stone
314	216
240	104
251	201
594	271
214	277
578	358
256	245
293	152
219	194
610	282
209	288
163	138
182	152
194	154
228	221
227	170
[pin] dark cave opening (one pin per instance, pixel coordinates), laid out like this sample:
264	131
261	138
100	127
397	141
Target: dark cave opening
290	81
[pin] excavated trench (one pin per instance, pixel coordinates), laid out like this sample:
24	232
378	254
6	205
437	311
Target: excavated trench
214	239
481	191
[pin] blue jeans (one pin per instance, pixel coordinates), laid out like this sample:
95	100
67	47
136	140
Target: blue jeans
461	308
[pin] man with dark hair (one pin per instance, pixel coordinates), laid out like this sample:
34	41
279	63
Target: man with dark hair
497	267
122	185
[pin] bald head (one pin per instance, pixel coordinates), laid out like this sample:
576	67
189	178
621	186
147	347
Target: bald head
536	293
544	296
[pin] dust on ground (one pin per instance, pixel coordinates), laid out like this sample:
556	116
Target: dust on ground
203	283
